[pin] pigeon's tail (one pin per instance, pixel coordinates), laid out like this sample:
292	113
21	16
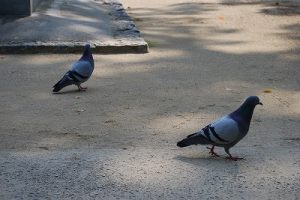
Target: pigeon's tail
193	139
65	81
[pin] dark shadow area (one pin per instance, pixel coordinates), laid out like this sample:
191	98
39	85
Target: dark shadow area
293	31
40	7
205	158
59	21
281	9
190	8
4	19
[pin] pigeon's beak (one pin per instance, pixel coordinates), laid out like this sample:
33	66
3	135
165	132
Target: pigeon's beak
260	103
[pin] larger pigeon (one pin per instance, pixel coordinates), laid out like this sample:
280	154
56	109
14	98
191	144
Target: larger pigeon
80	71
226	131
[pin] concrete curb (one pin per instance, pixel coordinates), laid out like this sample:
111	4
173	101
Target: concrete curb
126	38
74	47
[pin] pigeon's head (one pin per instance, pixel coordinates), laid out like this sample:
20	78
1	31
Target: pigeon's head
87	54
245	111
87	49
252	101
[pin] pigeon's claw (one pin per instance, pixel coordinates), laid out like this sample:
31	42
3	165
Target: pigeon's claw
234	158
211	152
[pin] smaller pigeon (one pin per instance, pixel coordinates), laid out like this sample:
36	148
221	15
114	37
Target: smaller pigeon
226	131
80	71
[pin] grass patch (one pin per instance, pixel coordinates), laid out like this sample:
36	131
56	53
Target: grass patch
152	43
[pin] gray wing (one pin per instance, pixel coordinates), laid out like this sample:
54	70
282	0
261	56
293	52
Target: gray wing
222	132
83	70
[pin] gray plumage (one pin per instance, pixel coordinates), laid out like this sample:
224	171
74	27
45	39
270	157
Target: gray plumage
226	131
80	71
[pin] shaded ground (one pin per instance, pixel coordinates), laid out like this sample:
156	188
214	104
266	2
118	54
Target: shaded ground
117	140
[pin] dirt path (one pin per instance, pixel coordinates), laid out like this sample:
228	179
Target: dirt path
117	140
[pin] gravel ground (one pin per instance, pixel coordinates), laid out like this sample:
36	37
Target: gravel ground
118	139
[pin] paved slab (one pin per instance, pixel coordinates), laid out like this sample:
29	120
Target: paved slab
62	26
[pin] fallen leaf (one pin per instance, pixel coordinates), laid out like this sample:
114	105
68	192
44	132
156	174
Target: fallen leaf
221	18
267	91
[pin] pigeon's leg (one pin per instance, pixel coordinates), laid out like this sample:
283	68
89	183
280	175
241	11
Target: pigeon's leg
80	88
211	152
230	157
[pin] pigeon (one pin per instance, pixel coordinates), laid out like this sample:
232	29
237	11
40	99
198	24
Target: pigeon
226	131
80	71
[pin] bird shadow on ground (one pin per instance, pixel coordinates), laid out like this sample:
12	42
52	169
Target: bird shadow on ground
198	160
217	164
68	92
